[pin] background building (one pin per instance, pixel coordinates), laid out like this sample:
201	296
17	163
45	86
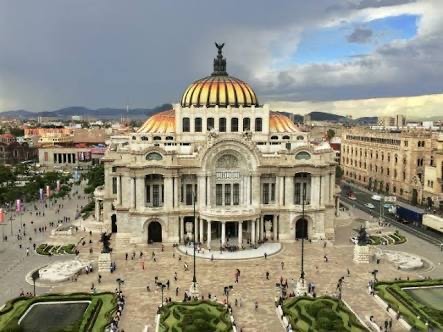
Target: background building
389	162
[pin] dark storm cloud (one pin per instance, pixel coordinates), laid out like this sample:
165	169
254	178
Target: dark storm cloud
360	36
110	52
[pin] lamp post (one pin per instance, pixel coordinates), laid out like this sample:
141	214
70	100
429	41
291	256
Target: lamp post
227	289
302	274
119	282
374	273
194	278
162	286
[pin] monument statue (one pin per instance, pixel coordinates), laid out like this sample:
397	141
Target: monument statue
105	239
219	47
362	236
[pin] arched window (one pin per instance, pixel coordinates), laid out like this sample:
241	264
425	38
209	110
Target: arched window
134	138
234	125
274	137
157	138
198	125
222	125
300	138
209	123
145	138
303	155
246	124
258	124
186	125
154	156
169	138
285	137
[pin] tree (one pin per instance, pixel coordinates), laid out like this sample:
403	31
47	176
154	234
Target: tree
330	134
17	131
95	178
338	173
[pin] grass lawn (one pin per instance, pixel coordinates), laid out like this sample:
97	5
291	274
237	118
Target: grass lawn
96	317
394	238
412	310
46	249
194	316
320	314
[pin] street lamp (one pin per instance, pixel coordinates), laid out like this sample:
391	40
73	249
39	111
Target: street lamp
35	275
162	286
227	289
194	278
119	282
302	274
374	273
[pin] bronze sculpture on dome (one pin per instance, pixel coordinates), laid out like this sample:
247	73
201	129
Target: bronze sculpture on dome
219	47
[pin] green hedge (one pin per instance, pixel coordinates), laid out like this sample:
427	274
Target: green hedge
96	317
320	314
409	308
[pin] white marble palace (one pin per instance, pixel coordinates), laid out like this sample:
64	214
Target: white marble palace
245	167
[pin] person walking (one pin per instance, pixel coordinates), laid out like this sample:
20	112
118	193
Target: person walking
267	275
256	305
282	265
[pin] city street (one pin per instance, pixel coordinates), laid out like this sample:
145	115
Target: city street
15	264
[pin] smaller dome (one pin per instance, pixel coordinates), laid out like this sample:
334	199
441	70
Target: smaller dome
160	123
280	123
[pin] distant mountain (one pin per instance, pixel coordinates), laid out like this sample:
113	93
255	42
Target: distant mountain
100	113
331	117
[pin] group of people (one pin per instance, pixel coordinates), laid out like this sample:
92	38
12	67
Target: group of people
117	316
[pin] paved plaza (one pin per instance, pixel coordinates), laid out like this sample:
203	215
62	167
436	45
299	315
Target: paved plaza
212	276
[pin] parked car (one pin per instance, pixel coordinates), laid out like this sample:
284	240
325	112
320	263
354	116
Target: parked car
376	198
354	239
370	205
352	197
387	206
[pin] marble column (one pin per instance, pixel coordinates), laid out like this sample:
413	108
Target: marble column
253	231
196	228
337	206
209	234
168	192
119	190
261	228
315	188
289	190
141	191
182	230
97	210
223	233
274	227
255	190
201	230
240	234
134	192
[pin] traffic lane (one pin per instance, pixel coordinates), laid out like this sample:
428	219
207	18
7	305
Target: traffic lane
409	227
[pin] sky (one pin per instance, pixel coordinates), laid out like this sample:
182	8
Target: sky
113	53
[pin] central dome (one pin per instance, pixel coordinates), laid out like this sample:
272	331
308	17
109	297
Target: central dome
219	89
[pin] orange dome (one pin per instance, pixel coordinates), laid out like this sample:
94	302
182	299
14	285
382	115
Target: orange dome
164	123
280	123
160	123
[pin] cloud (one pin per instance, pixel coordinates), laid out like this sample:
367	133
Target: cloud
109	53
414	108
360	36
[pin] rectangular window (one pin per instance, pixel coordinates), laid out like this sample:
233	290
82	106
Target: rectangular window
182	194
227	194
189	194
186	125
234	124
114	185
55	158
258	124
155	195
198	125
236	194
195	192
272	192
297	193
210	123
265	193
148	193
163	194
219	194
246	124
222	125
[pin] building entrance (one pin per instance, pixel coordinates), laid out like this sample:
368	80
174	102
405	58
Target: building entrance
301	229
154	232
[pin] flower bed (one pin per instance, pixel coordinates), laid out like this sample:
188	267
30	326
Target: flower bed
48	249
320	314
194	316
414	312
392	238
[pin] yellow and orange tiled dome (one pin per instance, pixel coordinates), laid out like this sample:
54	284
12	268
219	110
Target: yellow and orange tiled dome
220	90
164	123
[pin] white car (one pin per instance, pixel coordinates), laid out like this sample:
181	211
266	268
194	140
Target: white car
376	198
354	239
370	205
